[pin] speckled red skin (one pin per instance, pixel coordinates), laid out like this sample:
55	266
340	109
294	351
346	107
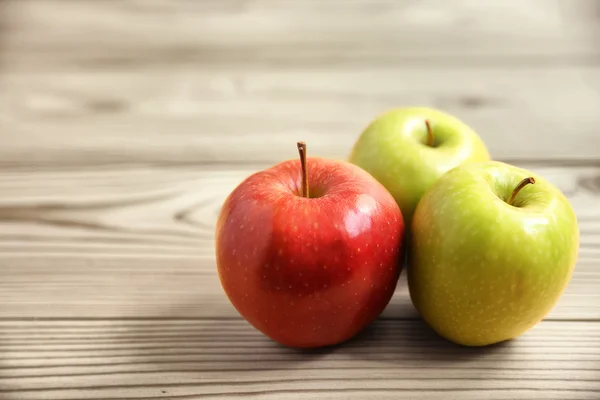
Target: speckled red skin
310	272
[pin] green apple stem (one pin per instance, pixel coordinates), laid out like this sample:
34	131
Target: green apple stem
520	186
302	151
430	137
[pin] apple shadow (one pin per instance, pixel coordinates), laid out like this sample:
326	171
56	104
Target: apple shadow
174	340
407	344
195	347
400	306
210	351
408	340
401	338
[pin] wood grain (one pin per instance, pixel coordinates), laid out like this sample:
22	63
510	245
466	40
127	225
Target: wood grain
109	35
229	359
124	124
191	116
138	242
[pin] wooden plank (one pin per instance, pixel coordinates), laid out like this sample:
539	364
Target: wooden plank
138	242
107	286
193	116
217	359
43	34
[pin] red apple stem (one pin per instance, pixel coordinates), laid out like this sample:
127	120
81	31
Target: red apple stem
520	186
430	137
302	151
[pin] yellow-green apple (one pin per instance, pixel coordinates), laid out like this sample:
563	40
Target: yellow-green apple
493	247
308	251
408	149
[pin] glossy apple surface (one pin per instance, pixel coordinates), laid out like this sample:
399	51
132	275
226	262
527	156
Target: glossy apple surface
309	272
395	149
481	270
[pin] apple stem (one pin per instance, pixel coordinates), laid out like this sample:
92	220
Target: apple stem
302	151
520	186
430	137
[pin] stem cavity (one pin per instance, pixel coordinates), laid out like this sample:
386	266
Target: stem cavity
430	138
520	186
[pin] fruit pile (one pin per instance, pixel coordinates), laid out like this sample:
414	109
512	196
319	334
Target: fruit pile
310	250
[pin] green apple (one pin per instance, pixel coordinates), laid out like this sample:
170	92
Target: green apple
408	149
492	251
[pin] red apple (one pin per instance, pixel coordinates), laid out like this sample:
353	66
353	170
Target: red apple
309	271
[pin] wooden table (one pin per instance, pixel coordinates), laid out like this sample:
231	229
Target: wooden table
124	124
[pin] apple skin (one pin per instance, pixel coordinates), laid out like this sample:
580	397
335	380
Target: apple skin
482	271
309	272
393	148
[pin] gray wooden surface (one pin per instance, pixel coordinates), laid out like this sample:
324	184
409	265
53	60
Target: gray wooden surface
124	124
